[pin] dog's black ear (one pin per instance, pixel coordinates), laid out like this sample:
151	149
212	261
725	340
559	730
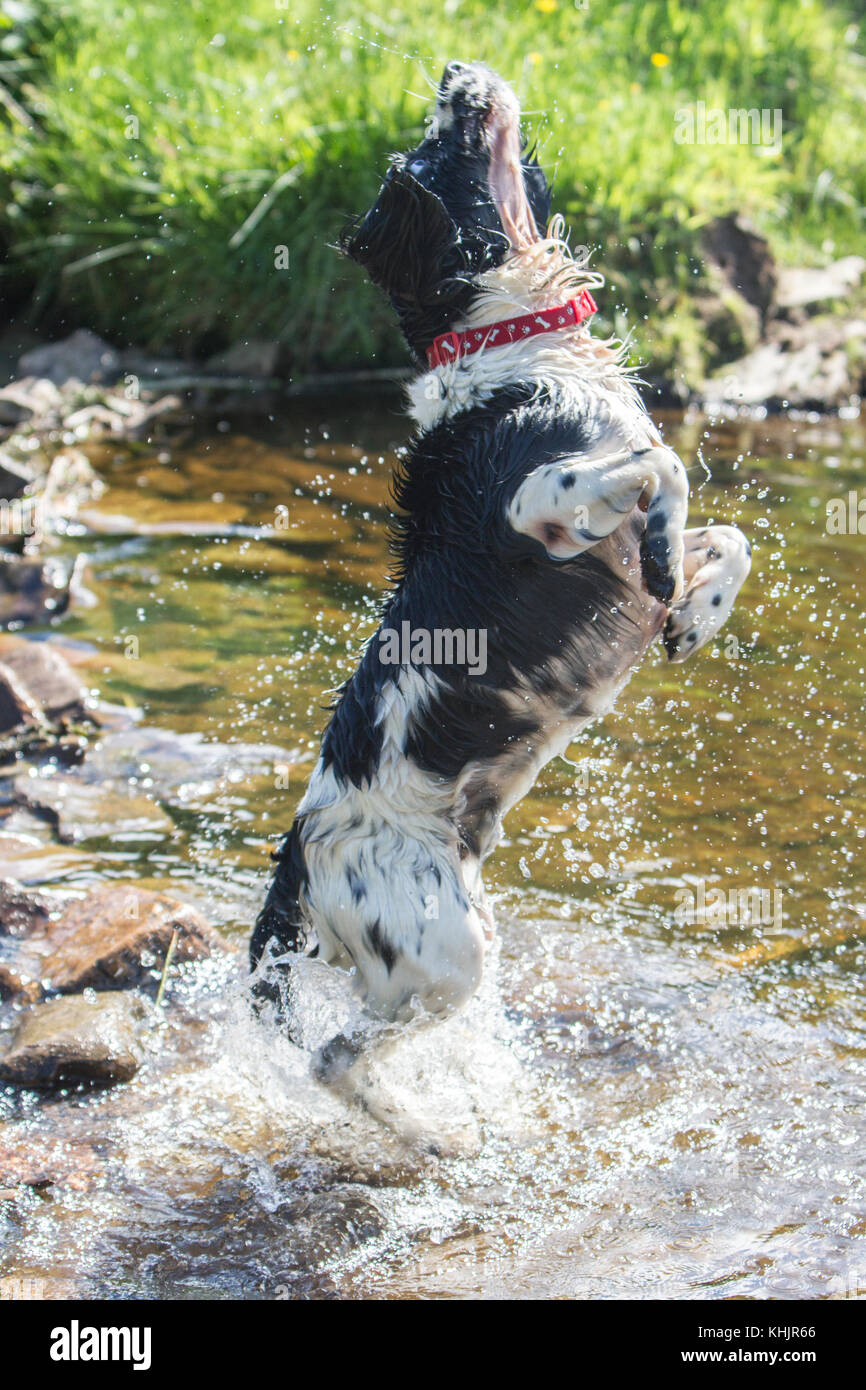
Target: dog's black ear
405	241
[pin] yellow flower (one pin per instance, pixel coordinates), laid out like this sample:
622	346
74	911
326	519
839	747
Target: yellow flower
659	60
293	55
634	88
546	6
604	104
533	59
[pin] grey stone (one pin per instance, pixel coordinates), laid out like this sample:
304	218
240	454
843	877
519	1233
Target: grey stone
182	769
82	356
82	811
799	288
48	676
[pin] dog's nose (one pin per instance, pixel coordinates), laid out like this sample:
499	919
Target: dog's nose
452	71
469	86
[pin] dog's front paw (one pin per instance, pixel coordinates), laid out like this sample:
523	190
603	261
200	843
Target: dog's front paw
683	633
661	553
720	557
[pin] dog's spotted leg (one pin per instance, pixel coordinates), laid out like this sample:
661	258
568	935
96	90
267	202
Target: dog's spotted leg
572	505
717	560
412	972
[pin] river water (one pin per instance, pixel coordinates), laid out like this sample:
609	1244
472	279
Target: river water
642	1102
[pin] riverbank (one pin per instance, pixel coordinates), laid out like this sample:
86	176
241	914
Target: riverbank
802	328
175	181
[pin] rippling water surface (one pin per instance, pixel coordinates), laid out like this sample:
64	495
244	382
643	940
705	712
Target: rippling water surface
638	1104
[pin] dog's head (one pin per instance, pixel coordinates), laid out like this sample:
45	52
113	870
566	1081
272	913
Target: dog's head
455	207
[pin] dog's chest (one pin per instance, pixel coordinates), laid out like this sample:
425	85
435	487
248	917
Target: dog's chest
550	700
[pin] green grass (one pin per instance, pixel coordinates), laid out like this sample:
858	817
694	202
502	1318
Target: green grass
171	147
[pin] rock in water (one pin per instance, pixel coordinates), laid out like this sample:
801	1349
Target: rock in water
18	709
21	909
49	1161
14	985
80	811
31	589
811	366
118	936
89	1038
48	677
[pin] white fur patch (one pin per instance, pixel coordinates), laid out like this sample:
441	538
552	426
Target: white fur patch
397	841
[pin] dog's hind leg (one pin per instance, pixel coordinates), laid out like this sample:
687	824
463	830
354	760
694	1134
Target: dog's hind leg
280	926
716	562
423	986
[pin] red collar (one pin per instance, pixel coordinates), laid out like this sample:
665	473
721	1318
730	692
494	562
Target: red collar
449	346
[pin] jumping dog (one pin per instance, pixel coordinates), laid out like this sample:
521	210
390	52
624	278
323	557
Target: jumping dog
536	505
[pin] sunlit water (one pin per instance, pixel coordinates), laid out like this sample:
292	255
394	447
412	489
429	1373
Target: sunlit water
636	1105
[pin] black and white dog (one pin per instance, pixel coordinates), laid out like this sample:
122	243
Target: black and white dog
540	548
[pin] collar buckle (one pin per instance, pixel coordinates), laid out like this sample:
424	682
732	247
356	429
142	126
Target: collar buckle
583	306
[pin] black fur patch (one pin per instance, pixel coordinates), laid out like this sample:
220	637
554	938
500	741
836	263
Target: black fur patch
381	946
357	887
460	565
353	741
280	919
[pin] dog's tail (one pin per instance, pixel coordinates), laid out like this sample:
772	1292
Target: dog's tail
281	920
